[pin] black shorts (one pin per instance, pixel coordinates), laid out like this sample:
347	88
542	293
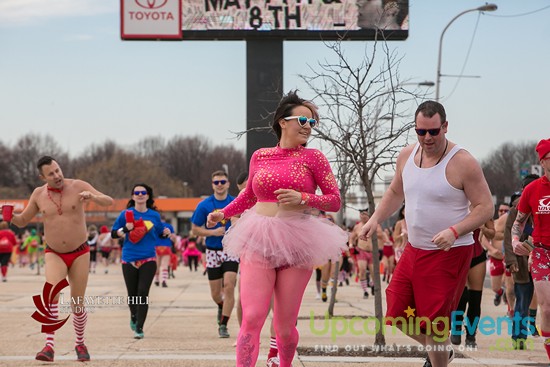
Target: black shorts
217	273
479	259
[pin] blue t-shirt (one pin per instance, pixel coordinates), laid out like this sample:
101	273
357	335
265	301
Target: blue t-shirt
145	247
166	241
206	207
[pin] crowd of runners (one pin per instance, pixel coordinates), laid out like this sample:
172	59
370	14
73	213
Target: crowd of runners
258	250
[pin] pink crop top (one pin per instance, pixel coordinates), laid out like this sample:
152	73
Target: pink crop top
301	169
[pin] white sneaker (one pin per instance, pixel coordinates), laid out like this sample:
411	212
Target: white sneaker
273	362
318	296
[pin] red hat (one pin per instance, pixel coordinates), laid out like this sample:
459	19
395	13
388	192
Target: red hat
543	148
103	229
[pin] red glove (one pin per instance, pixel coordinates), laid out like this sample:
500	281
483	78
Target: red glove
138	232
129	215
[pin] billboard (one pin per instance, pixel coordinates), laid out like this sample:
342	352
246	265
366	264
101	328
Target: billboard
295	19
150	19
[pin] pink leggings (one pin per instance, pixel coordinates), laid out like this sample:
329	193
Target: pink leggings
257	286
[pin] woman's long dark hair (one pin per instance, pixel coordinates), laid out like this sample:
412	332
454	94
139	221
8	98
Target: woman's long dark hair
150	201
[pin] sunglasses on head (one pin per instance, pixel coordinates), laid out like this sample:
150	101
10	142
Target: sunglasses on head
219	182
303	120
140	192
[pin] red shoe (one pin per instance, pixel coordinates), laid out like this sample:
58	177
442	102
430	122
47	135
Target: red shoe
82	353
46	354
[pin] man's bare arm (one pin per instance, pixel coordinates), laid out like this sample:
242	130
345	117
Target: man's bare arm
88	192
21	220
202	231
488	229
477	191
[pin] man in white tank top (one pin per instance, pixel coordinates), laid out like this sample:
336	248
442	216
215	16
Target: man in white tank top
438	180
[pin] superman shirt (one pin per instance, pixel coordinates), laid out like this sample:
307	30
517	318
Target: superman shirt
140	243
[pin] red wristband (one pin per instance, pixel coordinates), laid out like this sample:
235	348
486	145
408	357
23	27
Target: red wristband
454	232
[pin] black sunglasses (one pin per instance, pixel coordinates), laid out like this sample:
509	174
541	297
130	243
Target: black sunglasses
219	182
432	132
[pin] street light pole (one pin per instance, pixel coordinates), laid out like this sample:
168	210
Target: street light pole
487	7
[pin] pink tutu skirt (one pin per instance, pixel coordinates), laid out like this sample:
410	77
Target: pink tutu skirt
290	239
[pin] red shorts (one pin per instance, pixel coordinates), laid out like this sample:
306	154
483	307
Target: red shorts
496	266
364	255
69	257
429	281
540	271
163	250
387	251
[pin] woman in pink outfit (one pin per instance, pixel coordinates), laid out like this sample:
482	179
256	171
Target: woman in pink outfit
282	238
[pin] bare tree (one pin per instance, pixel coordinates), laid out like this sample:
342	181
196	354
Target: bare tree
26	152
368	117
117	175
502	167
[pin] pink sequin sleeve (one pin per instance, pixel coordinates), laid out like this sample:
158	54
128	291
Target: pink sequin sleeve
324	178
246	198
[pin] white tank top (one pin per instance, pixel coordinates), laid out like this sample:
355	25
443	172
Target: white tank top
432	204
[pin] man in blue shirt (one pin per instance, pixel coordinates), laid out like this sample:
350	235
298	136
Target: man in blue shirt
222	269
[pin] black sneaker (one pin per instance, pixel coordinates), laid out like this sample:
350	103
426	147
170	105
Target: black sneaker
365	295
164	285
324	296
456	339
470	341
222	331
428	363
498	299
519	344
157	284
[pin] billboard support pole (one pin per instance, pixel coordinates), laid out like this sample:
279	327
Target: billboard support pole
264	89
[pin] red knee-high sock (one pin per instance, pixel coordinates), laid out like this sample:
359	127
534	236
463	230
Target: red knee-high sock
273	351
546	335
50	336
79	323
4	270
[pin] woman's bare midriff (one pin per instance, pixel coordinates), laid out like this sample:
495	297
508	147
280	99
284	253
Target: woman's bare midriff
271	209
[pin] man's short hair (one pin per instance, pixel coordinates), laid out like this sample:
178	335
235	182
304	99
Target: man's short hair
219	173
44	161
242	178
528	179
430	108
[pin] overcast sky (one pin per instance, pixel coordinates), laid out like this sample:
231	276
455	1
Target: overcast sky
65	71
